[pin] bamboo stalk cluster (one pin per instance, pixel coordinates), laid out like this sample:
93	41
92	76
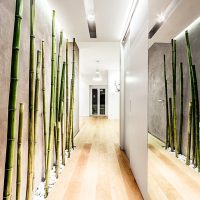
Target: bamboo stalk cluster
173	139
60	134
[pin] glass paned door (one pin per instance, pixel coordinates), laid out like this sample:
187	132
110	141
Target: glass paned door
98	100
94	101
102	102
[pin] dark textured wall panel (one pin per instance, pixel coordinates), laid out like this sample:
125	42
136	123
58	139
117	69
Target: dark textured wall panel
156	96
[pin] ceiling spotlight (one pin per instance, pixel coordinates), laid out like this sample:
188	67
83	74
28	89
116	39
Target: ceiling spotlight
97	76
160	18
91	17
97	71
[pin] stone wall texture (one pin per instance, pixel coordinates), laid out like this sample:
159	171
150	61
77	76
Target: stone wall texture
43	31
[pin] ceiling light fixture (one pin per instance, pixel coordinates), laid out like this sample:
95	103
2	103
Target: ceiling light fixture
160	18
91	17
97	76
164	16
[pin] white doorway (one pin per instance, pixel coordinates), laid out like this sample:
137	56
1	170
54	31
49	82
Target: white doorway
98	101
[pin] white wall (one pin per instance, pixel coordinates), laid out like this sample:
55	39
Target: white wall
84	91
83	98
109	79
113	94
135	97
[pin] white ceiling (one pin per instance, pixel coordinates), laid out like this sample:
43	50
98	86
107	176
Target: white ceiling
110	18
183	16
107	53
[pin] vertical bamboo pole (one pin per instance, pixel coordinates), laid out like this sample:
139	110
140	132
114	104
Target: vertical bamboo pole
58	150
44	108
52	116
189	55
61	105
70	121
72	127
171	125
54	105
58	75
67	98
62	134
196	97
174	96
19	153
36	105
166	103
31	102
181	109
61	114
62	87
55	138
10	150
189	134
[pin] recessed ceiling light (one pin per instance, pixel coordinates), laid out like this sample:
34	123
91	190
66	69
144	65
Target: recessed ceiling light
97	76
160	18
91	17
97	72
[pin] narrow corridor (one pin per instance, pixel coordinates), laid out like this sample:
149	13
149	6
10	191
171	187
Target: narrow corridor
98	169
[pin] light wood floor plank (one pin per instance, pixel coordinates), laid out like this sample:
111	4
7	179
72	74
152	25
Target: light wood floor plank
169	176
98	169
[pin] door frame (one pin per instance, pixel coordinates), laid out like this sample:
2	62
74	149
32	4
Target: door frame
98	87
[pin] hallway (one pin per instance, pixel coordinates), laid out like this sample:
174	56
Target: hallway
97	169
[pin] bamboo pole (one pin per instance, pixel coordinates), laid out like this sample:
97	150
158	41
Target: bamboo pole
71	136
174	96
196	94
166	103
62	91
44	108
189	134
55	138
181	109
31	102
58	150
67	98
12	102
70	121
55	91
61	104
19	153
63	138
52	103
36	105
171	125
72	126
58	76
189	56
